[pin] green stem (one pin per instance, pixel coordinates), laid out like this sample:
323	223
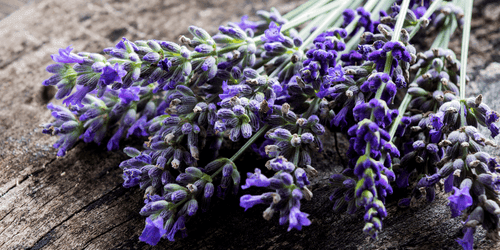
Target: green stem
249	142
463	123
179	203
400	21
297	151
449	28
333	16
278	69
305	6
465	46
319	10
402	108
353	41
242	149
221	51
304	33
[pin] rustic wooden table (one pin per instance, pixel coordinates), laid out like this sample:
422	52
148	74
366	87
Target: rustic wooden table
77	202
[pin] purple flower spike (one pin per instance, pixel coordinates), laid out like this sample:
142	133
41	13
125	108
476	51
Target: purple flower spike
153	231
280	163
461	199
65	56
494	130
113	143
352	58
420	11
165	64
365	20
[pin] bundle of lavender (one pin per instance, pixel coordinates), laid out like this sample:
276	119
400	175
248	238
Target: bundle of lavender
351	67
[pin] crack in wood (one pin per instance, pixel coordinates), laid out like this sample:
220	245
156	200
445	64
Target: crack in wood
15	185
69	217
25	177
105	232
6	216
50	209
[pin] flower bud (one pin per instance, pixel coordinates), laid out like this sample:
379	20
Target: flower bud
478	188
153	207
285	108
295	141
476	217
191	207
307	193
492	207
178	196
268	213
446	170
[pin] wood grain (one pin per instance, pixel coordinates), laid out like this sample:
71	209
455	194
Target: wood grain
77	202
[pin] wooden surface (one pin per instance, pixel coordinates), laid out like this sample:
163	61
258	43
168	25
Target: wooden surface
77	202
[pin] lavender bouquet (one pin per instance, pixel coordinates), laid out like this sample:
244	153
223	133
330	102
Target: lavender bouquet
275	87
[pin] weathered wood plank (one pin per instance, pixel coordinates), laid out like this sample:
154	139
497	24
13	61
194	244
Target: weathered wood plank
77	202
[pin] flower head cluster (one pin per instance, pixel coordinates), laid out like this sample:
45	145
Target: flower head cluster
286	196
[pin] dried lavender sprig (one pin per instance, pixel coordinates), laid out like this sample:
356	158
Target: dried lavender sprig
460	156
370	197
293	203
406	100
67	57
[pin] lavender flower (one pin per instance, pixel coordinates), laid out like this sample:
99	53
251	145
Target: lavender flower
467	242
66	126
65	56
298	219
256	179
153	231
